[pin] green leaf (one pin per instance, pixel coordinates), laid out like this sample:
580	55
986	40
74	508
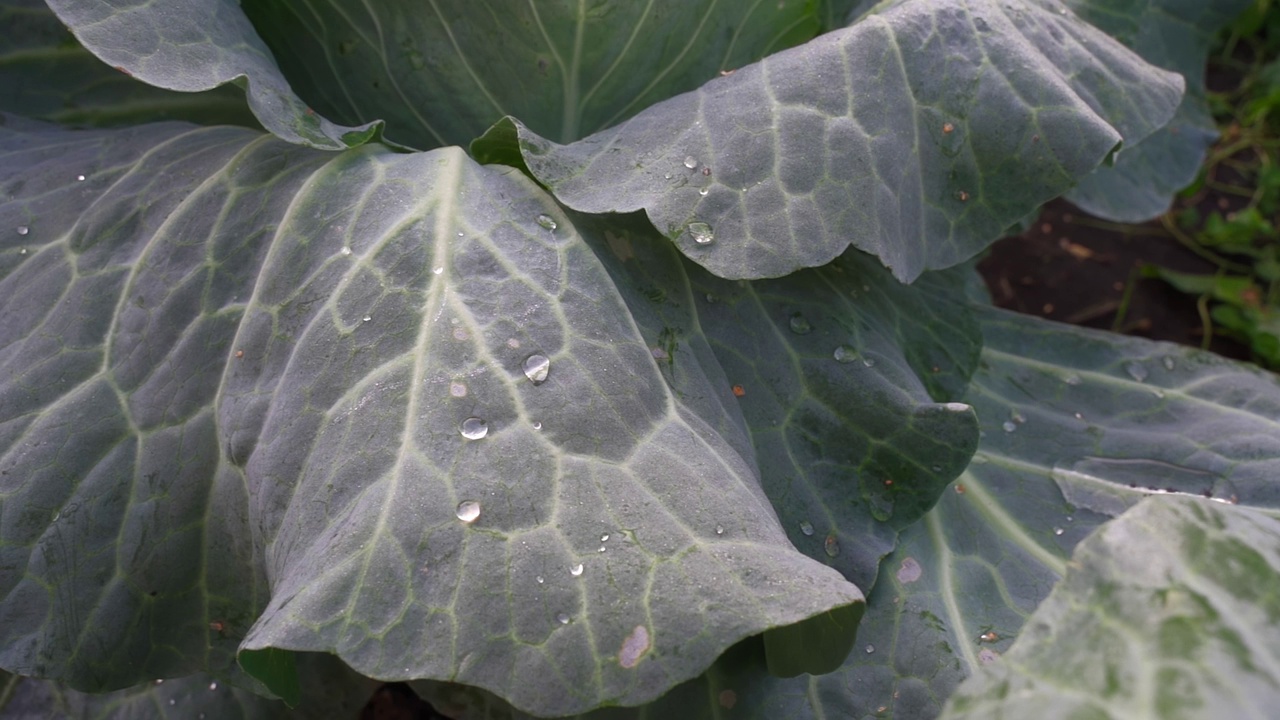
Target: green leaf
190	45
237	378
1175	35
815	646
331	691
839	375
45	73
441	74
277	670
1172	610
918	135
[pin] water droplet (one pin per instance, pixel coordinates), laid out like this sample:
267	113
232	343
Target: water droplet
537	425
437	271
212	685
1058	531
547	222
870	649
604	537
172	701
540	579
576	570
711	298
468	511
563	618
602	549
956	407
845	354
691	162
23	229
80	178
23	251
1009	426
345	250
367	318
473	428
799	325
806	527
703	192
1136	370
936	468
719	529
869	362
1168	363
1071	379
701	233
831	545
536	368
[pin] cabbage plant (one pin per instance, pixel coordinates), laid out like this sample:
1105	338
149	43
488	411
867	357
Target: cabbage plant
608	359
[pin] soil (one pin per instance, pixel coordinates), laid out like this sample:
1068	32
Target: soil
1076	269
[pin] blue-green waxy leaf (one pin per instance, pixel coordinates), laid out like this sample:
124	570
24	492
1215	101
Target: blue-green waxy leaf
1176	35
45	73
919	134
330	691
1172	610
840	377
386	406
955	595
442	73
195	45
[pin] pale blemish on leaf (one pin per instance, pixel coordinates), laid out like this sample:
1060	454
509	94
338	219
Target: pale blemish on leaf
635	646
728	699
909	572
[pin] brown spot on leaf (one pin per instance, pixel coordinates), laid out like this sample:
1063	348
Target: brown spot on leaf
728	699
634	647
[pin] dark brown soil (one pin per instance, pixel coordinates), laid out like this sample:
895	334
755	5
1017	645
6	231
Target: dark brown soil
1076	269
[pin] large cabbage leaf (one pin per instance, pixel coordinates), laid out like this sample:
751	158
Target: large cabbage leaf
1098	422
1172	610
442	72
1176	35
918	134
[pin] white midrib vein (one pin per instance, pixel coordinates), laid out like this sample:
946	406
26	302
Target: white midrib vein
571	116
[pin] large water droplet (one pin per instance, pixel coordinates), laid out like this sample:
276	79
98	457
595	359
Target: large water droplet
799	325
870	649
719	529
1009	426
563	618
537	425
845	354
473	428
547	222
540	579
691	162
437	271
701	233
212	685
1136	370
604	537
703	191
468	511
806	527
23	229
1058	531
345	250
536	368
831	545
576	570
79	178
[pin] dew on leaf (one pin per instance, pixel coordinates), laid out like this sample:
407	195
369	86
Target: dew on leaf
437	271
719	529
213	686
868	362
845	354
563	618
703	191
701	233
537	425
576	570
799	325
870	649
1071	379
956	407
80	178
806	527
604	537
1168	363
547	222
473	428
23	229
536	368
831	545
1058	531
540	579
345	250
468	511
690	162
1136	370
367	318
1009	426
